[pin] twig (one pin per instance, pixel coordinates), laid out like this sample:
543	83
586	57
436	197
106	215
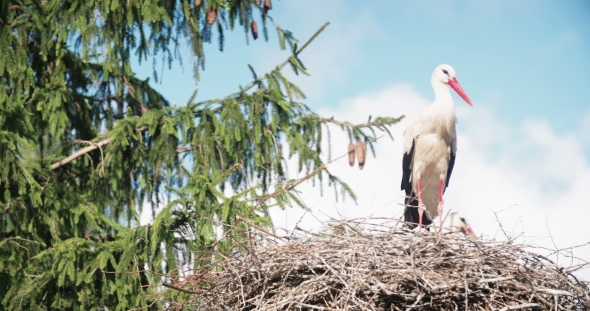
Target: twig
522	306
180	289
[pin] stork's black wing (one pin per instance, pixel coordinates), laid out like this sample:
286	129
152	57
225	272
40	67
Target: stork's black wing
450	169
411	200
407	170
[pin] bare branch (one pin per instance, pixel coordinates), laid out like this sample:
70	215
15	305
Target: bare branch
98	145
80	153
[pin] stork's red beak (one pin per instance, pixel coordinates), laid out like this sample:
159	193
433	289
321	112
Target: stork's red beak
457	87
469	231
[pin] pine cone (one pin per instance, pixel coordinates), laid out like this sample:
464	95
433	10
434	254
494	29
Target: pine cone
267	5
211	16
254	28
351	154
198	2
361	154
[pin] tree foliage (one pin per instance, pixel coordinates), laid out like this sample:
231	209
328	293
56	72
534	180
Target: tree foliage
85	145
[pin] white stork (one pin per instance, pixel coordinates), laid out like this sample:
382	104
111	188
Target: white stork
430	145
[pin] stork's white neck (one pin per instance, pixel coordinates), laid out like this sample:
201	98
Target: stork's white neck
442	96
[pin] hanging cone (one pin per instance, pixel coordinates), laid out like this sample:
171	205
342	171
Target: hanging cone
361	154
254	27
267	5
351	154
211	16
198	2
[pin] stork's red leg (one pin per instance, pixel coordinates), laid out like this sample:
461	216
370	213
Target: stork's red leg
420	205
440	204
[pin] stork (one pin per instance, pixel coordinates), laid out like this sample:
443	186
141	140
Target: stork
456	222
430	145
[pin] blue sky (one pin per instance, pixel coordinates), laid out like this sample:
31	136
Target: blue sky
520	58
524	149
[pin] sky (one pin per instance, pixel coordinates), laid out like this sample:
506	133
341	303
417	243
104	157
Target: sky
523	149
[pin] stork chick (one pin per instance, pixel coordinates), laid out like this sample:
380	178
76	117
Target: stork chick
456	222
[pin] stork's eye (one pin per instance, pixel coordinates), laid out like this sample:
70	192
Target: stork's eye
445	72
462	219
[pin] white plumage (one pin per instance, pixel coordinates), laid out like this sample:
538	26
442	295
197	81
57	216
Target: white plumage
430	145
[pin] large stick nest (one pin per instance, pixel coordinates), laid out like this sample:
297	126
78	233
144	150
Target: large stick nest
359	266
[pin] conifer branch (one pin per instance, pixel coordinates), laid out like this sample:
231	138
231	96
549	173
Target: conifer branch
101	143
280	66
86	150
317	33
183	150
296	182
379	122
286	188
80	153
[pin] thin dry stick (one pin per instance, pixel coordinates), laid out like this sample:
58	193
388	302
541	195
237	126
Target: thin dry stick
179	289
466	292
522	306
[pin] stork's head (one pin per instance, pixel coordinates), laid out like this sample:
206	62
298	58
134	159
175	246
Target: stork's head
456	222
447	75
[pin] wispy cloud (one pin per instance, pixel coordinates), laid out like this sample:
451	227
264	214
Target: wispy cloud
335	53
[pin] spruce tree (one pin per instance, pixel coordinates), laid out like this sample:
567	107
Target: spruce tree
85	145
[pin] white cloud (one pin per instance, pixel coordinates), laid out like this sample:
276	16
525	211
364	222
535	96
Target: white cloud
534	179
330	58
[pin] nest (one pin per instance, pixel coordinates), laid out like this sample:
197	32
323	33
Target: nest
354	265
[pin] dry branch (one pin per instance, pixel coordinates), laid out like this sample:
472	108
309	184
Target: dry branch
80	153
98	145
